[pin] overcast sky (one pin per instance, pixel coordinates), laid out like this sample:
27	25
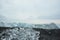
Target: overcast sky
31	10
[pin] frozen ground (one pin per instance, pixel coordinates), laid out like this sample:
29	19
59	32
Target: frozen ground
19	34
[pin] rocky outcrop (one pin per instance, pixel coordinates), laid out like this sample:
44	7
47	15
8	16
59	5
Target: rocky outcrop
48	34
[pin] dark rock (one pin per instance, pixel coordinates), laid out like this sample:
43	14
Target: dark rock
48	34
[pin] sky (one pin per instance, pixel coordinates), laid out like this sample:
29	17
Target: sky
32	11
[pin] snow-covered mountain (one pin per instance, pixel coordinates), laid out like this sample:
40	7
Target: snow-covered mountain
6	22
43	26
47	26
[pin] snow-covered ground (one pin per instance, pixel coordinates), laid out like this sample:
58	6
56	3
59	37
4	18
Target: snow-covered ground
19	34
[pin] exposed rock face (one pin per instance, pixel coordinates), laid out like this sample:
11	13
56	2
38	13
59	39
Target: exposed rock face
49	34
18	34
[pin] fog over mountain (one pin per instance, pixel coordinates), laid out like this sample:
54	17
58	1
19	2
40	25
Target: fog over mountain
6	22
31	11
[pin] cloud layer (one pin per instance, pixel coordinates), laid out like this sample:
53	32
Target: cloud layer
30	9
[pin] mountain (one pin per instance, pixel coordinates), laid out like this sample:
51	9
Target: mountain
58	25
47	26
6	22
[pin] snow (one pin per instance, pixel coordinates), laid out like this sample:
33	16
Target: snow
20	34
